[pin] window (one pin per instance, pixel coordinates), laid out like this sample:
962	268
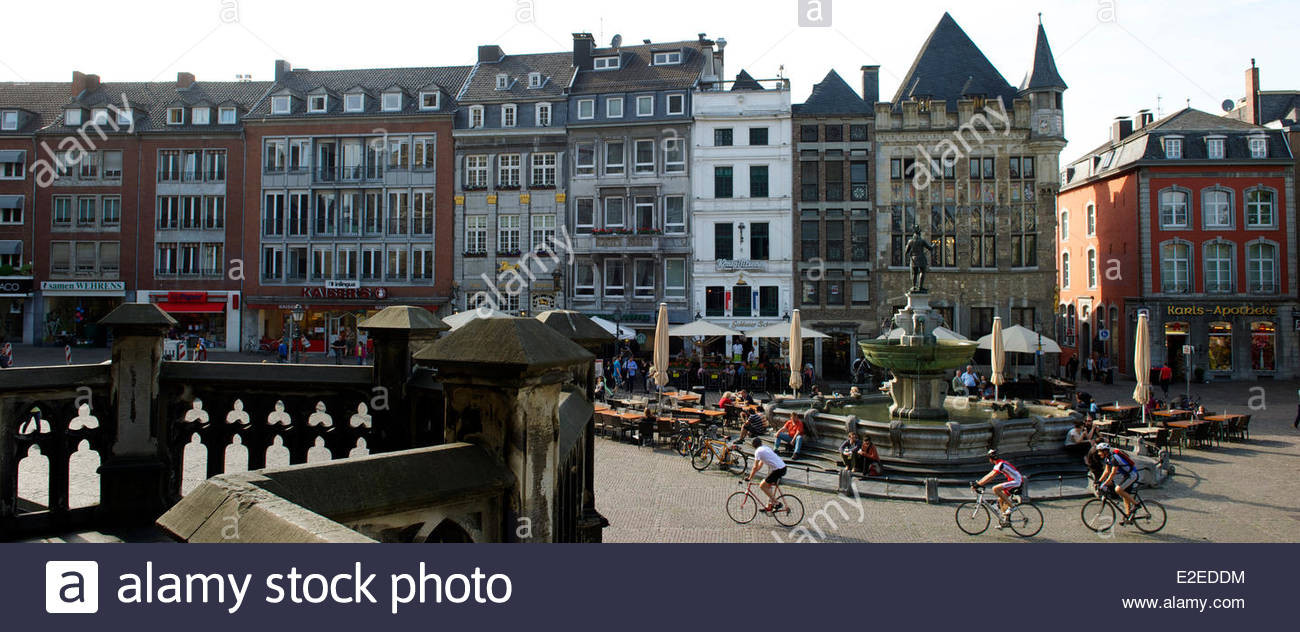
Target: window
1065	269
757	136
758	181
425	152
475	117
372	215
674	214
722	137
1091	211
11	210
808	177
543	113
759	241
201	116
60	257
835	240
859	182
399	212
422	209
858	133
643	278
645	105
214	166
723	241
543	231
835	133
322	263
1261	267
615	160
272	214
275	156
71	117
1216	207
508	234
214	212
299	209
392	102
421	262
769	305
508	166
676	103
674	155
99	116
675	278
834	180
614	207
643	211
16	169
667	58
84	254
1259	208
615	286
860	240
1218	268
85	211
1175	267
281	105
811	292
543	171
167	259
272	263
943	237
1259	147
584	159
1092	268
645	156
605	63
429	100
509	115
741	301
399	153
354	103
715	301
808	134
476	234
396	269
1065	225
1214	148
534	80
9	120
584	279
722	182
226	116
835	288
586	109
1173	147
1173	209
981	322
89	166
810	239
476	172
584	211
502	81
983	240
614	107
1263	346
371	262
175	116
317	103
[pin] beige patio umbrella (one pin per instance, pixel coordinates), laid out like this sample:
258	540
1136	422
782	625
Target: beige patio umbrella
998	356
660	374
796	352
1142	365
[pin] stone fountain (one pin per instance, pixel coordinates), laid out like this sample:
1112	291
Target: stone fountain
921	364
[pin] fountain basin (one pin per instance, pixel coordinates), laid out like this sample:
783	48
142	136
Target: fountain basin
937	356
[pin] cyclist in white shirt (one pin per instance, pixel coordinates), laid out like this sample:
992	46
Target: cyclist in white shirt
764	455
1006	488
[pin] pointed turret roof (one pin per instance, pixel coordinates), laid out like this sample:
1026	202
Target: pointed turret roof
1043	74
833	96
950	66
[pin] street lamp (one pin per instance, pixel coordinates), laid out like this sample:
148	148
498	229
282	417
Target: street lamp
297	314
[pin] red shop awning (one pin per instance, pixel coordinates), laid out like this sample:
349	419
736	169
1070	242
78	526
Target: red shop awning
192	308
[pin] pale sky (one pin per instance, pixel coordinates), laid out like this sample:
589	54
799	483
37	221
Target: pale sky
1118	56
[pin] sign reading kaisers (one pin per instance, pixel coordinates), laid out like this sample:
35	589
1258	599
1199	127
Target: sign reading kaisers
1222	310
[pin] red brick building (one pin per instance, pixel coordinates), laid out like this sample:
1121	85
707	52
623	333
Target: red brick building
1193	219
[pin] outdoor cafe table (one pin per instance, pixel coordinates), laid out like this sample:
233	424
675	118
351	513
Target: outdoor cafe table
1172	415
689	398
1191	426
699	412
1119	412
1105	425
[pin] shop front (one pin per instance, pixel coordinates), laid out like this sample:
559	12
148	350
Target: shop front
71	311
1228	341
16	309
211	316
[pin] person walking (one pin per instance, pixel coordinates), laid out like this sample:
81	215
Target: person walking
1089	368
631	368
1166	377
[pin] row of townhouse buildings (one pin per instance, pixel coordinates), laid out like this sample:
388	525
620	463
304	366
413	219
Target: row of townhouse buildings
603	179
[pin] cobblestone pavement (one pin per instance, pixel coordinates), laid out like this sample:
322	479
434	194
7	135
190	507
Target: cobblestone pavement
1239	492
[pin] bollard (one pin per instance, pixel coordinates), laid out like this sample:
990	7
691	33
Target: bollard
931	490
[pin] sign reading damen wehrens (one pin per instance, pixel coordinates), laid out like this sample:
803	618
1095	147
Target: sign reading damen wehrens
83	286
1222	310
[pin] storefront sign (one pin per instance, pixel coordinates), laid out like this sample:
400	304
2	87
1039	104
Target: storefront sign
1221	310
187	297
16	286
84	287
359	292
351	284
732	265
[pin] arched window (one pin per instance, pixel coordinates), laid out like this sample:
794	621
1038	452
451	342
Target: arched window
1173	208
1065	269
1216	208
1175	267
1092	219
1065	224
1218	267
1261	267
1092	268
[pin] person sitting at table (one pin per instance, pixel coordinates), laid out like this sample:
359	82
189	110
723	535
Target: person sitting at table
645	428
728	399
791	432
743	397
1078	440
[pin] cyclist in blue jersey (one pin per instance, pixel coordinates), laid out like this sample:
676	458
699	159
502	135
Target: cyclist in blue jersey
1005	488
1121	466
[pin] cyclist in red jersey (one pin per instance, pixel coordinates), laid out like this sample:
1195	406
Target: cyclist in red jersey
1006	488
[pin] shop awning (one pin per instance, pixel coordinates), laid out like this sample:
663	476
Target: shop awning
11	201
193	308
13	155
10	246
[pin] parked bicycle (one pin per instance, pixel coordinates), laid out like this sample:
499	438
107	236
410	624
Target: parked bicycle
729	457
687	437
975	516
1099	514
743	507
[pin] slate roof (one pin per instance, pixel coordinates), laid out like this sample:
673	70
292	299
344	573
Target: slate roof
1279	107
155	97
949	67
745	82
1043	74
43	100
833	96
637	73
448	79
556	69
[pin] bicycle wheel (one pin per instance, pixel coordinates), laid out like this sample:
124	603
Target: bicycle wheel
742	507
972	517
1098	514
702	457
682	444
1026	520
737	461
1149	517
791	513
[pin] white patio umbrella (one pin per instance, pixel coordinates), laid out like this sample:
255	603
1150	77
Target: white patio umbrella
782	330
460	319
624	333
701	329
1018	339
942	333
796	352
999	357
660	374
1142	365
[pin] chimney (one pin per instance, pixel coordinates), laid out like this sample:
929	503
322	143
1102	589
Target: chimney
1252	93
871	84
184	80
78	82
92	83
1143	119
490	53
1122	128
282	68
583	44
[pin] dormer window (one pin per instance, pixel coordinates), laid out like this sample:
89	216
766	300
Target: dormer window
606	63
72	117
226	116
175	116
428	100
125	117
200	116
503	81
475	117
534	80
1173	147
392	101
667	58
1214	148
280	105
317	103
9	120
99	116
1259	147
354	102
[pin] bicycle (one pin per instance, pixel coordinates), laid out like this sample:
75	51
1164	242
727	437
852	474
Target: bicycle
1099	513
974	517
742	507
728	456
687	437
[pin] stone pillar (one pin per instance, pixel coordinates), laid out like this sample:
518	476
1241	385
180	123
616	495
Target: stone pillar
398	331
135	474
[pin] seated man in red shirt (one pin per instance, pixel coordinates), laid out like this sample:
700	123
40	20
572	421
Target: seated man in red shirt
792	431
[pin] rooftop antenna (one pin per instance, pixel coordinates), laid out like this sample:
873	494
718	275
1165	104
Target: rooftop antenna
1159	112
